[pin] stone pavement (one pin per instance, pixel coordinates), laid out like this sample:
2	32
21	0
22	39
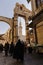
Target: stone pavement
29	59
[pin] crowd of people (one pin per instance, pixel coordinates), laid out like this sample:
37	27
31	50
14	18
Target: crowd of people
16	51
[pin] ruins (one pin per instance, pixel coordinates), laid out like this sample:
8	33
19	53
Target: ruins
22	11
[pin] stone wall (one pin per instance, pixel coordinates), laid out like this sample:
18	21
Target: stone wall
40	32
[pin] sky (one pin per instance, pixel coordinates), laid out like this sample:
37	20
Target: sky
6	9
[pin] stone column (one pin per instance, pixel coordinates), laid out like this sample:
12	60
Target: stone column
10	35
27	31
15	28
33	4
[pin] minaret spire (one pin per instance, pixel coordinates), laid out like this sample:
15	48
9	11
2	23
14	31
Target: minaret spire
20	29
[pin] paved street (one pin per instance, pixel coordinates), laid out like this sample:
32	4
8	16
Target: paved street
29	59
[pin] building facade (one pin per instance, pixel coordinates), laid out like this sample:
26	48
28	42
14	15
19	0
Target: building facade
37	20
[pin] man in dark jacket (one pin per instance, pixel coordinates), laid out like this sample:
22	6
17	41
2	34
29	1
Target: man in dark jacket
19	51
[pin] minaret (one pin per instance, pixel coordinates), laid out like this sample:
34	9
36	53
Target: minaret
20	30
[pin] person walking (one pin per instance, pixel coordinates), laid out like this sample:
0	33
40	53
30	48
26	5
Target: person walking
6	48
19	51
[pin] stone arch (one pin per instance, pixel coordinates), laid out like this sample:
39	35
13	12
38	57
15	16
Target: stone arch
7	20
